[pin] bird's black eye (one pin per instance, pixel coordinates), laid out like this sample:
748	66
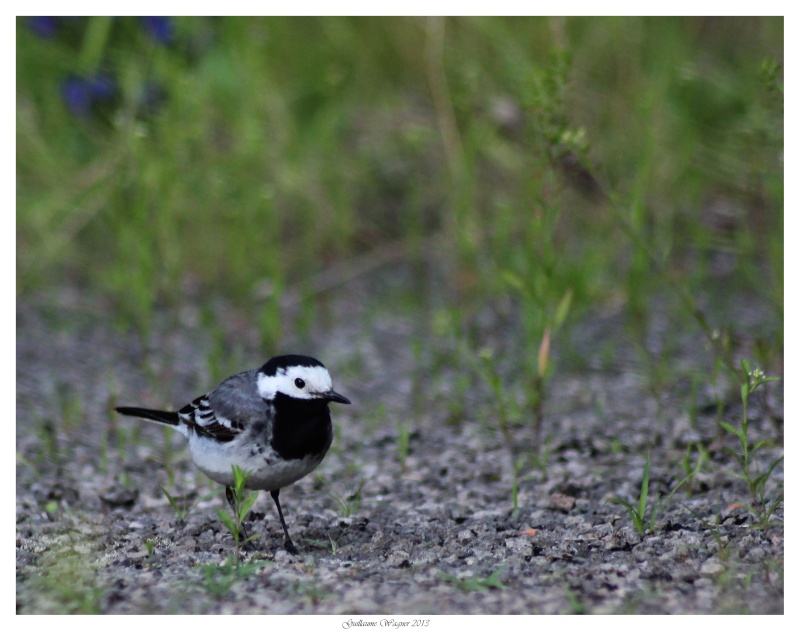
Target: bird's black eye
300	383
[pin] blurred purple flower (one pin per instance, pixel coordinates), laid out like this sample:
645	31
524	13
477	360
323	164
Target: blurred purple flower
77	96
43	26
103	86
158	28
80	94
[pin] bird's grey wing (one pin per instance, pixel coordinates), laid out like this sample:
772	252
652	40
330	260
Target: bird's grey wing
236	400
226	411
200	418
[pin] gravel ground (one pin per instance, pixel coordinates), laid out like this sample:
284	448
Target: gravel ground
95	532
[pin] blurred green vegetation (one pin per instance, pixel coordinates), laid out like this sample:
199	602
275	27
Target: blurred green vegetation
562	164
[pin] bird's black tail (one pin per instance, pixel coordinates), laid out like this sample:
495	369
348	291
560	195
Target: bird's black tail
159	416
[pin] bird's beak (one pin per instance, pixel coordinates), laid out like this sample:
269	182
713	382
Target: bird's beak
336	397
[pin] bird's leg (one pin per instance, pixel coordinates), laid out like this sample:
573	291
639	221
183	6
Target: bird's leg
232	501
288	542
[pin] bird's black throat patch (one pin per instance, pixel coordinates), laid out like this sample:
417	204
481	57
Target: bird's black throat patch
301	427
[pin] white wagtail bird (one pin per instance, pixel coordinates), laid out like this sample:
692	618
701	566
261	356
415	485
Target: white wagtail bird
272	423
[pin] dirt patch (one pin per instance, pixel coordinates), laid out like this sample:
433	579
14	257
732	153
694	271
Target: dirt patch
425	529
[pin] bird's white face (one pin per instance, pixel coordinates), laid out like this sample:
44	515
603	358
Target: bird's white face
298	382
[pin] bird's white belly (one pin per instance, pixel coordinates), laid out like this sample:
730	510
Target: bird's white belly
267	471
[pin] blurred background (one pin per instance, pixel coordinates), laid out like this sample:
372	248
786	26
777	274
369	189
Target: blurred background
517	174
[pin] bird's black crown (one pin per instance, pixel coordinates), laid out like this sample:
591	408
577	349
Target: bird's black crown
275	364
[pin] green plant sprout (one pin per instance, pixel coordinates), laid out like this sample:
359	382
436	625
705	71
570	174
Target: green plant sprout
349	503
508	411
690	470
515	469
488	371
756	480
310	590
334	545
403	438
541	460
637	513
539	333
181	505
243	501
218	579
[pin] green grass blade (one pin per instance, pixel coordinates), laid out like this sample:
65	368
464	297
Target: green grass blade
645	488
